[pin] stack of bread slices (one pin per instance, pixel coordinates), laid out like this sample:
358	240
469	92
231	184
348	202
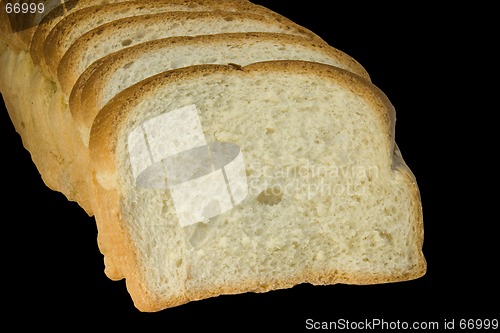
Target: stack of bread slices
221	147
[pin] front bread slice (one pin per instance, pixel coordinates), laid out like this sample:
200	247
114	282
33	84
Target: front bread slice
226	179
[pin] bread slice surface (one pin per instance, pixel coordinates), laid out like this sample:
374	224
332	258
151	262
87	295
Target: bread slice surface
329	199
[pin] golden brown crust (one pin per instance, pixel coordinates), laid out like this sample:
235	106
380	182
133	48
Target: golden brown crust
421	266
325	277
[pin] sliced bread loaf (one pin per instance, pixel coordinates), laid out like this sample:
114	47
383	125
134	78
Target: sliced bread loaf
125	68
119	34
309	190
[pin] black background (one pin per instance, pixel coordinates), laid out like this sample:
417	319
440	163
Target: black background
419	56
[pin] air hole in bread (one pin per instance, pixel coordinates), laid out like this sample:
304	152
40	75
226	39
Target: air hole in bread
387	237
270	196
128	65
126	42
178	263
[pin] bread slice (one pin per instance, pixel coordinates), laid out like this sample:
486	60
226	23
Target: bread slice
119	34
73	26
318	191
123	69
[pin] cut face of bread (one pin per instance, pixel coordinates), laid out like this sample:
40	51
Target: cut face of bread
325	198
125	68
119	34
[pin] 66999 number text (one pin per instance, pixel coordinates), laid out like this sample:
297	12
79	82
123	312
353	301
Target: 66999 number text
24	8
